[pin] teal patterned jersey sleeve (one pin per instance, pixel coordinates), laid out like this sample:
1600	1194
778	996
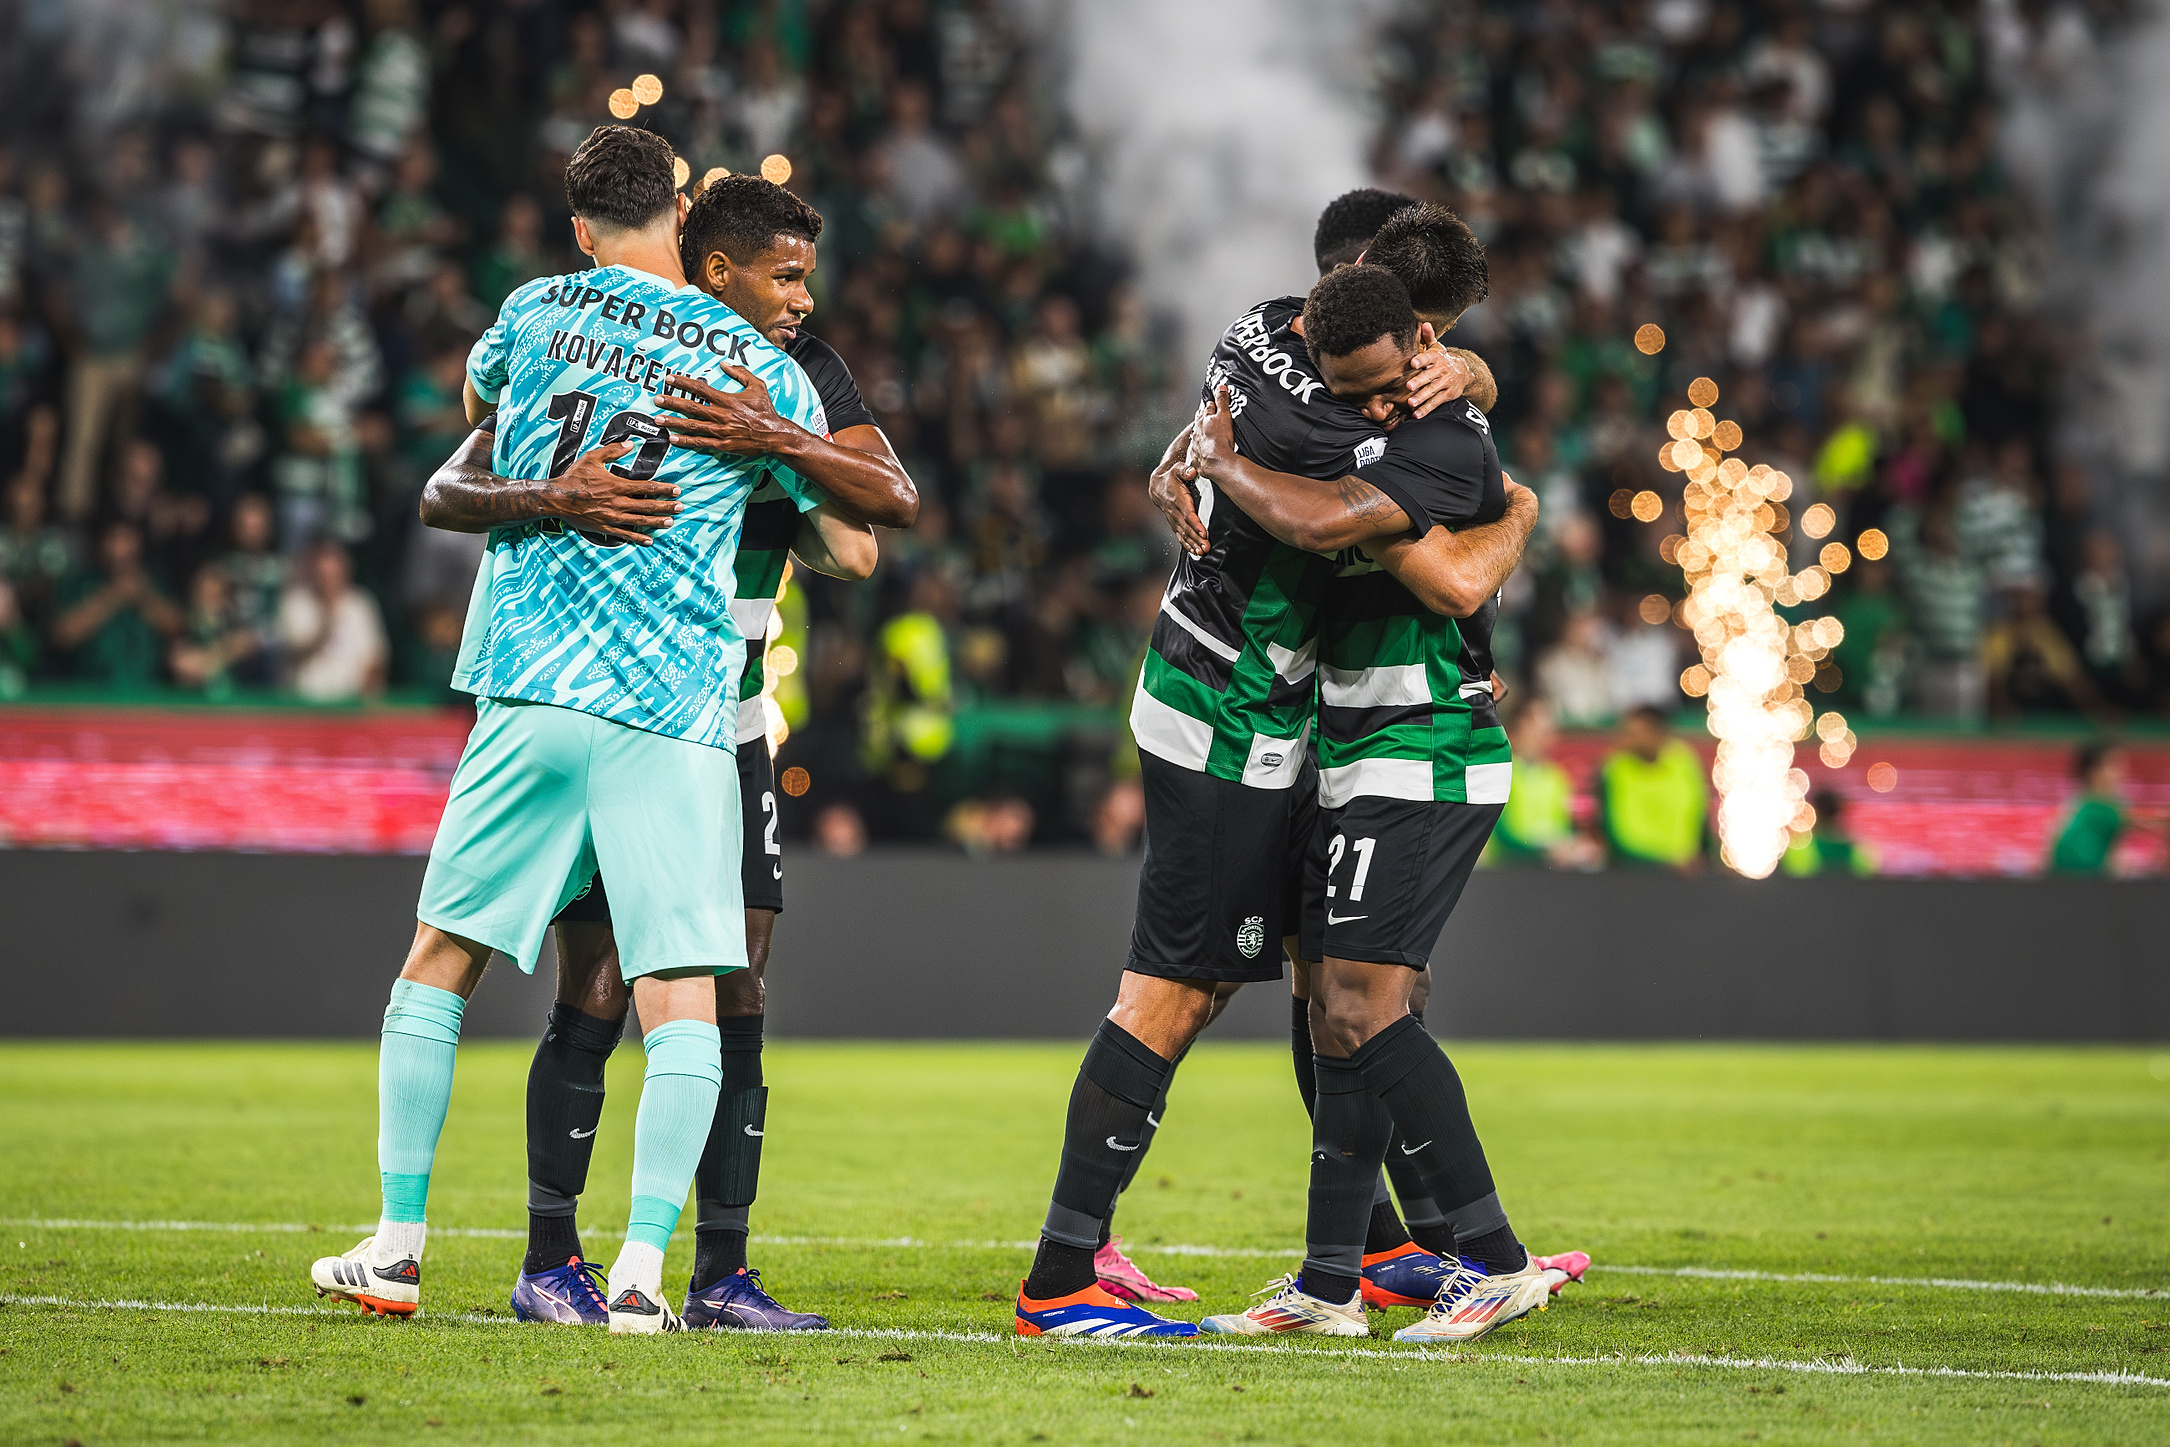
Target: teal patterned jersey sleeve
489	361
793	393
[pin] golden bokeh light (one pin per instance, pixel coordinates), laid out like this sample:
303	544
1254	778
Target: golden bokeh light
1654	609
623	103
712	175
647	89
1646	506
1835	558
1883	778
783	660
1650	339
1872	544
1619	503
1703	392
1818	521
1669	549
1754	665
776	170
680	172
796	781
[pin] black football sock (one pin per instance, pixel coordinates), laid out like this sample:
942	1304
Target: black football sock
564	1106
1153	1118
552	1241
1117	1084
1349	1131
726	1180
1386	1230
1482	1234
1420	1088
1299	1049
1428	1225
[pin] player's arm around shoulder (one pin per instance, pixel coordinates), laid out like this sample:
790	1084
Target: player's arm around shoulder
467	494
840	546
1303	512
1456	573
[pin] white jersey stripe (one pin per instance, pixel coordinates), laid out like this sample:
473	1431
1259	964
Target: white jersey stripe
1402	684
1378	778
1166	732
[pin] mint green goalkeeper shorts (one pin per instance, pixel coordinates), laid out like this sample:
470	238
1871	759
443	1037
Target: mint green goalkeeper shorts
543	796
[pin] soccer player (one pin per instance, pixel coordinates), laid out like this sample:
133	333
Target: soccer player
1402	1263
750	244
1413	772
607	709
1222	716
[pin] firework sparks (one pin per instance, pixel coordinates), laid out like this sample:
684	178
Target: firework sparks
1754	665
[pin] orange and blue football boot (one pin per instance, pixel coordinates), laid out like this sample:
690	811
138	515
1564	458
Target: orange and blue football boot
1092	1312
1406	1276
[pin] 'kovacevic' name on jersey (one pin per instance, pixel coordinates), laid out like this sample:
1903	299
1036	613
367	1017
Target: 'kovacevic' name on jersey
1405	694
1227	687
639	635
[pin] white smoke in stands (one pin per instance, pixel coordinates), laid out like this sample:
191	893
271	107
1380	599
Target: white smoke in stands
1214	131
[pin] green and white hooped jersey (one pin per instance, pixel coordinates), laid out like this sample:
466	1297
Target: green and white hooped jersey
1405	696
772	525
1228	686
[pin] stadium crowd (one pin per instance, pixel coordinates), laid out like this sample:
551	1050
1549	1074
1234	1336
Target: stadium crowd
233	320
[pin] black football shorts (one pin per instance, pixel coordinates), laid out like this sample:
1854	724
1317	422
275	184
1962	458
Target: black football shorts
1223	867
1384	874
761	858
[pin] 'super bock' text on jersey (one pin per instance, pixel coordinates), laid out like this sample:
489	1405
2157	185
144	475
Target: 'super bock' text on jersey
1405	694
639	635
1227	687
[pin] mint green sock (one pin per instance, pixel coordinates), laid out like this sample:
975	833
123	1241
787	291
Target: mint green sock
414	1090
677	1106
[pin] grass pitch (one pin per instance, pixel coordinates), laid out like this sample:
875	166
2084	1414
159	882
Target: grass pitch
900	1180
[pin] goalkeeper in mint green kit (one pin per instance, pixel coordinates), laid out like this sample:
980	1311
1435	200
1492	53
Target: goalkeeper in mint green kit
606	716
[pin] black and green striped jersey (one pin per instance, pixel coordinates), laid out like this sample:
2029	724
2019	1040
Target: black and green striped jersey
1405	694
772	525
1228	686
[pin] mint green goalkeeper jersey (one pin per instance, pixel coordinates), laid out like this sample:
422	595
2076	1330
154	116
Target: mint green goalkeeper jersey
639	635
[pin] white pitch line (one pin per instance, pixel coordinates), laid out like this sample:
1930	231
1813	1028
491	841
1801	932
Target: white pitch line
1843	1367
1692	1273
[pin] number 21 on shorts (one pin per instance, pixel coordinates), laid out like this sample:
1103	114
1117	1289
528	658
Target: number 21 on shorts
1335	848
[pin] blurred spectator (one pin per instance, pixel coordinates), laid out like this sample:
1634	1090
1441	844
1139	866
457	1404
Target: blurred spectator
839	832
1576	674
2088	837
112	621
1945	603
216	646
18	645
1653	797
1538	824
35	556
117	292
2030	663
1827	848
330	630
318	467
983	827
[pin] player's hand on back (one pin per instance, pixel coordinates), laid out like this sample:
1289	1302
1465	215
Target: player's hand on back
1171	493
741	423
617	509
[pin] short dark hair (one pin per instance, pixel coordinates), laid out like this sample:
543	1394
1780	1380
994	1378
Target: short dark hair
1349	222
741	216
1437	257
621	176
2089	756
1649	713
1354	307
